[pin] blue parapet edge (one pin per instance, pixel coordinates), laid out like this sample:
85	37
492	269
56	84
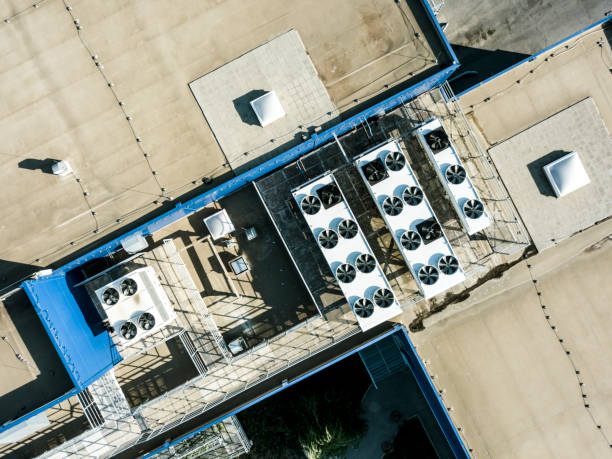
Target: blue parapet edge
31	414
434	20
193	205
85	356
414	363
536	55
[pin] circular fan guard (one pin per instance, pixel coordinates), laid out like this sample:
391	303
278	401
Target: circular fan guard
128	330
448	264
347	229
365	263
110	296
395	161
383	297
128	287
363	308
311	205
473	209
410	240
393	206
428	275
146	321
455	174
413	196
346	273
328	239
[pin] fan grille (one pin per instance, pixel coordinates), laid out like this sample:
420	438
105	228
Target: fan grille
428	275
129	287
329	195
410	240
455	174
413	196
128	330
448	265
346	273
146	321
393	205
328	239
429	230
347	229
437	140
110	296
374	171
365	263
311	205
383	297
363	308
473	209
395	161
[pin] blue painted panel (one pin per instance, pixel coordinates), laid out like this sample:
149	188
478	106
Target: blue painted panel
534	56
86	355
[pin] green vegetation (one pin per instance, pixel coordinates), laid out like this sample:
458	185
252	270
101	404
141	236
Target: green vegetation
317	418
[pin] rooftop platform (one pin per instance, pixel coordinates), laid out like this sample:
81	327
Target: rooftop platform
39	377
67	421
362	51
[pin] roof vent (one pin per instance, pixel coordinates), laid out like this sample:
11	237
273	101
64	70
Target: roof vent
374	171
429	230
329	195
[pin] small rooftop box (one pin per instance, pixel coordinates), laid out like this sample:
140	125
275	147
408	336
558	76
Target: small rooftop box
566	174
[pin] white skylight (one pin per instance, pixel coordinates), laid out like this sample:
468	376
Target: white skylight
267	108
566	174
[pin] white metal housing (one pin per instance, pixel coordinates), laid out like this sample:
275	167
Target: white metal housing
149	297
566	174
219	224
394	185
364	285
460	194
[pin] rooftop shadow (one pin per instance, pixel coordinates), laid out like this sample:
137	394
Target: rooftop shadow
242	105
538	175
44	165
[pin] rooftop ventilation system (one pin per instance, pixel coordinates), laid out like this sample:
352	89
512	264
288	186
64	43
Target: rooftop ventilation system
346	273
455	174
393	206
348	229
311	205
452	174
136	305
363	307
429	230
410	240
410	219
346	250
374	171
328	239
395	161
473	209
448	265
219	224
329	195
413	196
428	275
437	140
365	263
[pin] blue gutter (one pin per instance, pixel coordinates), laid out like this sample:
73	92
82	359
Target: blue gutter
418	370
33	413
535	56
187	208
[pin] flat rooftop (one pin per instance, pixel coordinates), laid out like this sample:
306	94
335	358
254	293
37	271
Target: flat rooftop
37	379
361	50
520	159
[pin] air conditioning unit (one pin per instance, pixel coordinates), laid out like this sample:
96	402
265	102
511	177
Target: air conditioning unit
136	305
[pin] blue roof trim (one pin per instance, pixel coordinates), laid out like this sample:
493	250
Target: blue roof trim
85	356
535	56
187	208
39	410
418	370
434	20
